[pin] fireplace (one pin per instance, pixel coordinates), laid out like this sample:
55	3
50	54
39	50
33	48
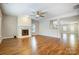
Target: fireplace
25	32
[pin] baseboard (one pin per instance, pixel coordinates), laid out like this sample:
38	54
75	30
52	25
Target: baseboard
50	36
35	34
6	37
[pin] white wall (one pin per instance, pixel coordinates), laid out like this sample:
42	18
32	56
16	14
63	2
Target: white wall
44	29
24	21
9	24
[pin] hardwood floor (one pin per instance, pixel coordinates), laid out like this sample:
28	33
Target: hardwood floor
36	45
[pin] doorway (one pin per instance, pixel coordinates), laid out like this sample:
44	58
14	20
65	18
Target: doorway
69	34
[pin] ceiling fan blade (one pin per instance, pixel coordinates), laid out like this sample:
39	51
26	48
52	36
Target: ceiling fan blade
42	16
43	13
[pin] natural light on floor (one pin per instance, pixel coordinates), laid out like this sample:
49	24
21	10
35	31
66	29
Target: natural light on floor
34	44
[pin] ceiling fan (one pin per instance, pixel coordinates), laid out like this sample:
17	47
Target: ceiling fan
38	13
76	6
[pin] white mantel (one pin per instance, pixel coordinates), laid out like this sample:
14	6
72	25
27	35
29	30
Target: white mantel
24	23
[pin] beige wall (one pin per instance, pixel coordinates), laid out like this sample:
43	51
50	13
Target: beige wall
0	22
0	26
9	26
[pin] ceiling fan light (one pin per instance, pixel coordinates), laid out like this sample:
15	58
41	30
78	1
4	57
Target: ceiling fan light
37	15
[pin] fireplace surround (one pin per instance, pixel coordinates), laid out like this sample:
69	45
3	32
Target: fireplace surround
24	26
23	31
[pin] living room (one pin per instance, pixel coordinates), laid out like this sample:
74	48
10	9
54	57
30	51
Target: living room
39	28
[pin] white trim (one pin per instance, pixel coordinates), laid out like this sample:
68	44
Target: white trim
50	36
24	36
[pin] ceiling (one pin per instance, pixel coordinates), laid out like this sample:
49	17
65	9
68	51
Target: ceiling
52	9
